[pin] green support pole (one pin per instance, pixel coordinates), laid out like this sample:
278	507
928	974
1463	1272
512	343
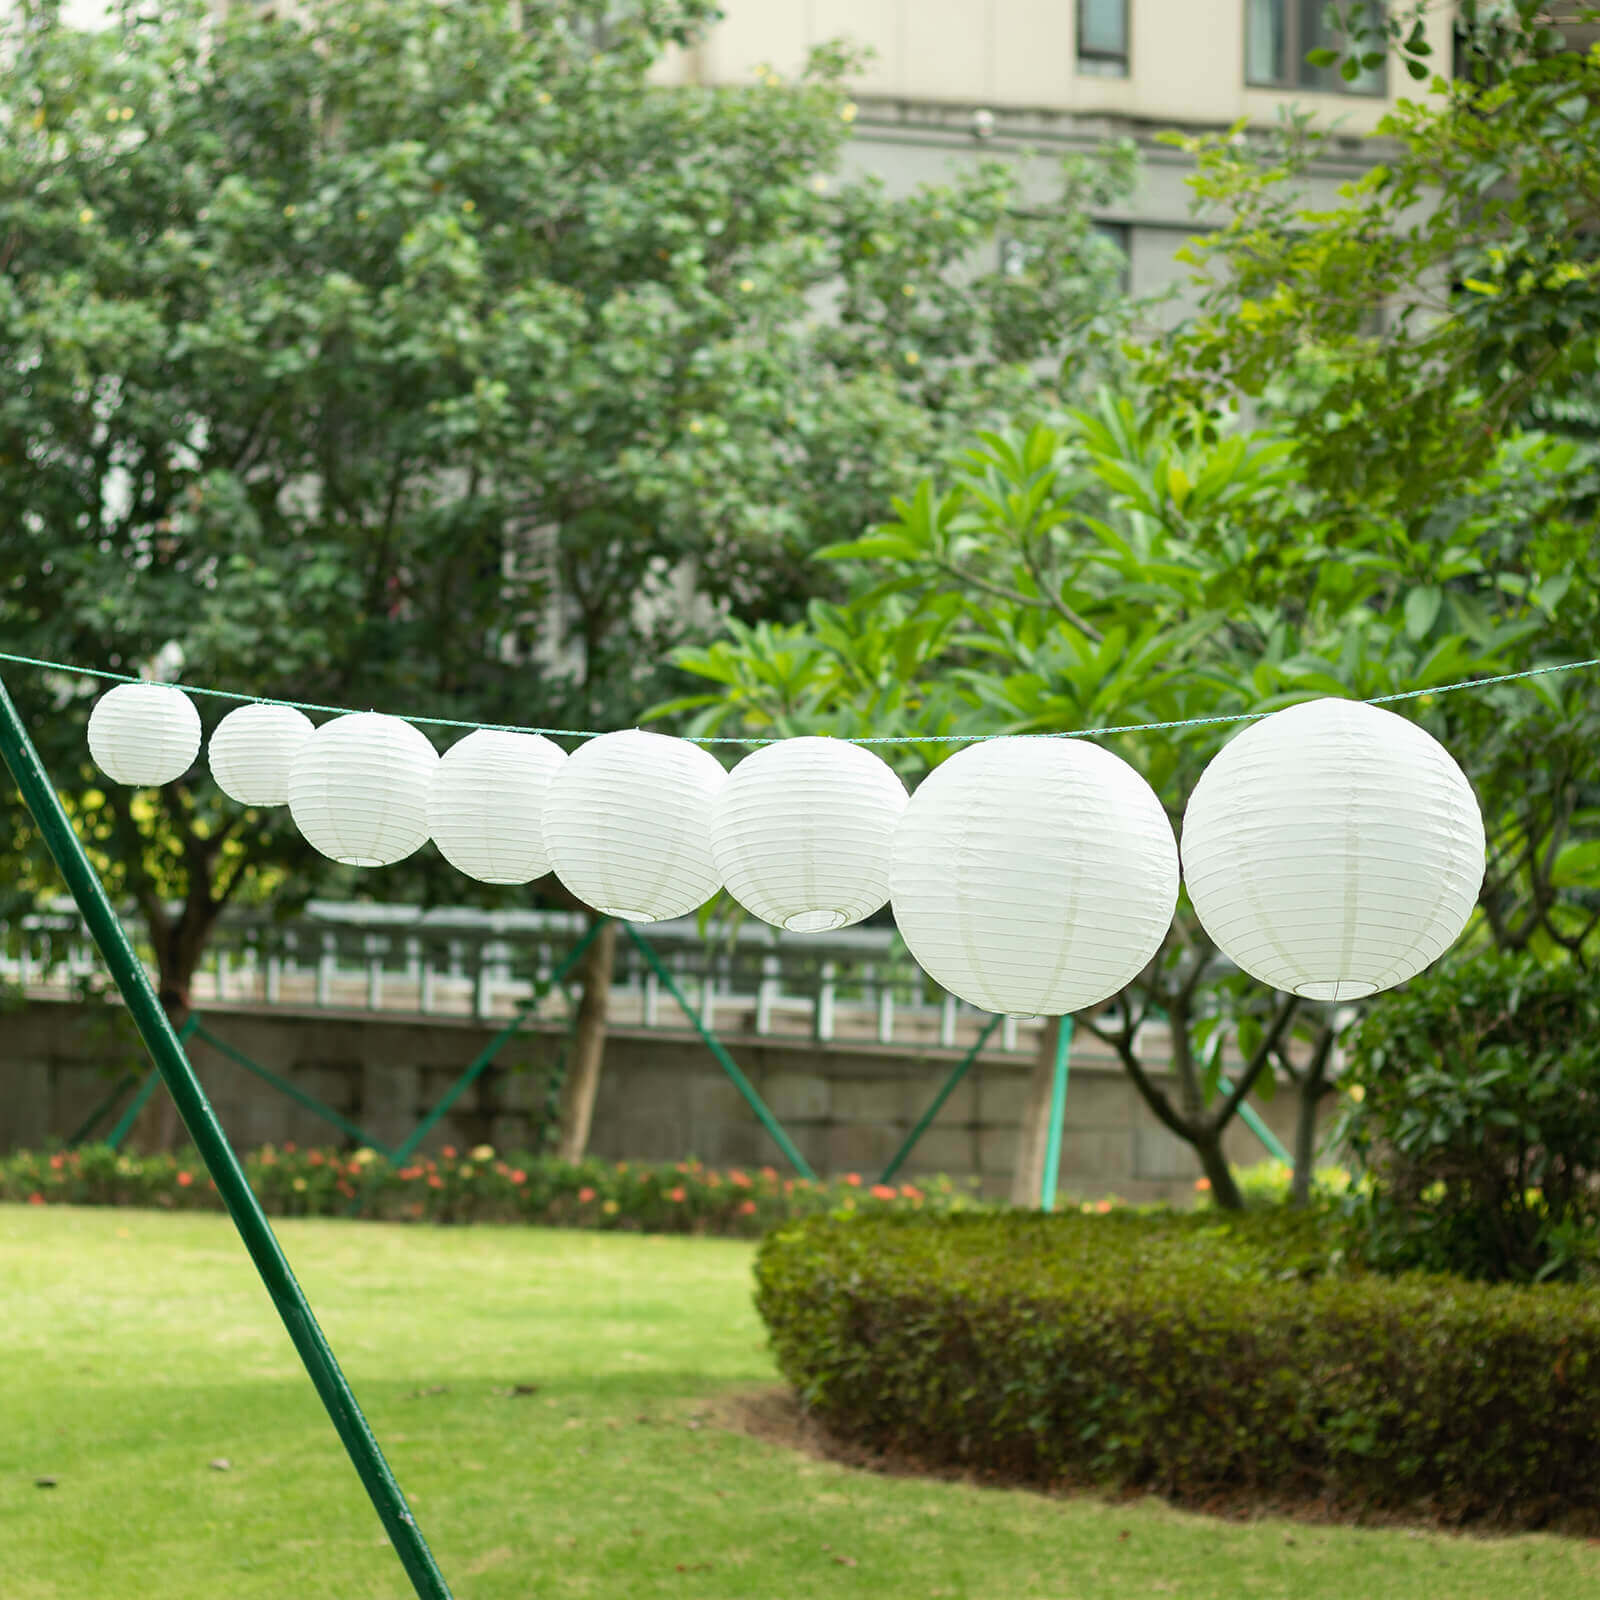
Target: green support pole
146	1089
1058	1108
90	1122
944	1094
200	1119
291	1090
403	1152
724	1060
1247	1115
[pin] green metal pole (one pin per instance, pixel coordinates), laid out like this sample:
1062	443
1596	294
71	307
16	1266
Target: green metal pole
727	1063
166	1050
291	1090
1247	1114
944	1094
146	1089
1058	1108
90	1122
403	1152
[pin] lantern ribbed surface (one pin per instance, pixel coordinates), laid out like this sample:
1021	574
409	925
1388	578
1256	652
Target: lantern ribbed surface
252	750
1333	849
486	805
144	734
628	824
803	830
358	789
1034	876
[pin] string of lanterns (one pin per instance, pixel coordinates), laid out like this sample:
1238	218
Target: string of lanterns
1332	849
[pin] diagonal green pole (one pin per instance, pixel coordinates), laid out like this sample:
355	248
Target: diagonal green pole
944	1094
727	1063
1058	1109
146	1089
403	1152
92	1121
163	1044
284	1087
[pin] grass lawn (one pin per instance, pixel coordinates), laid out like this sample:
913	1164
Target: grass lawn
136	1348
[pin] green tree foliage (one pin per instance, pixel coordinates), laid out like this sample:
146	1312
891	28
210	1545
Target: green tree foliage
422	356
1108	573
1475	1108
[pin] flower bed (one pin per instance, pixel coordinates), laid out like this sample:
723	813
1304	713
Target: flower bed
476	1185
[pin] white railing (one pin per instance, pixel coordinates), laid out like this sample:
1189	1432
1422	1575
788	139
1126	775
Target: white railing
857	986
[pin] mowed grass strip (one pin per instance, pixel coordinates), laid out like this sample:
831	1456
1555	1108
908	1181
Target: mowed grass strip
548	1402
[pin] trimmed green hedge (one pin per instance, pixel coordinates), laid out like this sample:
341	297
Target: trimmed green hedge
1195	1354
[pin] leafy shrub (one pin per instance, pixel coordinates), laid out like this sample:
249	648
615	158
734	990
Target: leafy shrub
1475	1112
467	1186
1192	1353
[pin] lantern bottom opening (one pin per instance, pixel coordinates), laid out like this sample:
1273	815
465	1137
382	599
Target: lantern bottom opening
623	914
1338	989
816	921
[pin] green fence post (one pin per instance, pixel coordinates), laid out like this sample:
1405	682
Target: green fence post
724	1060
939	1099
1058	1110
404	1151
200	1119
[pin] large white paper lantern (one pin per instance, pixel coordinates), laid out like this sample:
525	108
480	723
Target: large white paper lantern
1333	849
803	831
252	750
144	734
1034	876
358	789
486	805
628	824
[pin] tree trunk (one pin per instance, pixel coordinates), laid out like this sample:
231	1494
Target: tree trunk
1224	1191
1312	1087
582	1081
179	947
1027	1179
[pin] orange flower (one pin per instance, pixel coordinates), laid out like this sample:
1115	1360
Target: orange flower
288	1147
315	1158
185	1179
884	1191
449	1152
770	1174
35	1199
344	1188
740	1180
58	1161
910	1191
853	1179
585	1195
436	1182
1103	1207
519	1176
747	1208
1202	1184
676	1194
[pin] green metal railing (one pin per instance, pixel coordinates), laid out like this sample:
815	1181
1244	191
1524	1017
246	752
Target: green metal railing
166	1049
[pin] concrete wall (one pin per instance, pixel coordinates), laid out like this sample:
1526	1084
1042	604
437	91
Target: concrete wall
661	1097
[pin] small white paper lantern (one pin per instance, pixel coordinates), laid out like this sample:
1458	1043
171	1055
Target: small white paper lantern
252	750
1034	876
628	824
358	789
803	831
144	734
486	805
1333	849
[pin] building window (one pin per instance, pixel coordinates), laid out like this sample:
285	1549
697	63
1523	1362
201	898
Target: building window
1103	38
1278	36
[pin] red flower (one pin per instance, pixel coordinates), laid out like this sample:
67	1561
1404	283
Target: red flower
585	1195
185	1179
35	1199
315	1158
519	1176
58	1162
853	1179
288	1147
770	1174
884	1191
436	1183
910	1191
739	1179
676	1194
747	1208
344	1188
449	1152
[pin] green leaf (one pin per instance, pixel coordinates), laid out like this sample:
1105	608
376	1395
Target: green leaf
1422	610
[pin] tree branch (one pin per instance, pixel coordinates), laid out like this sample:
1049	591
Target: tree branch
1221	1117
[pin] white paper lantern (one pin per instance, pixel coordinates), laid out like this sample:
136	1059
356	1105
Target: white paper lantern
1333	849
803	831
1034	876
144	734
358	789
628	823
252	750
486	805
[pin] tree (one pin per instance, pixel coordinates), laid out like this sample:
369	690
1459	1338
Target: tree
425	356
1102	574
